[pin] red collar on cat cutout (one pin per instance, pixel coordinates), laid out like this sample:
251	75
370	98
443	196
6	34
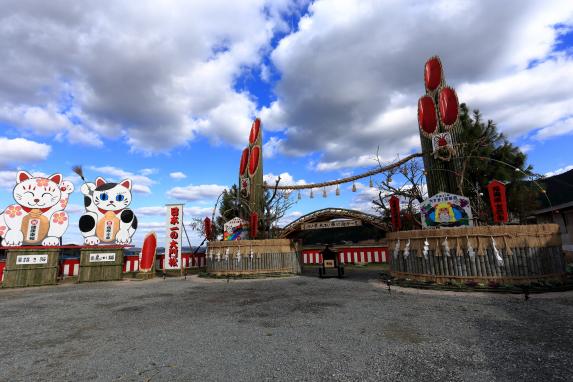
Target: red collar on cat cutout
28	209
104	211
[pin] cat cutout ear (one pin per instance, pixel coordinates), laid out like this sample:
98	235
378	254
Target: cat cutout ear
56	178
22	176
100	181
126	183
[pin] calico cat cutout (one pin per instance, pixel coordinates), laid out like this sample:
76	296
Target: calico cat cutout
107	218
38	218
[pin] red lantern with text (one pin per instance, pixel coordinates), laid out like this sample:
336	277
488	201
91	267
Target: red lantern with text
498	201
395	212
254	225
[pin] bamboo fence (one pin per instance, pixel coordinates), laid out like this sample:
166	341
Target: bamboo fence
252	257
505	254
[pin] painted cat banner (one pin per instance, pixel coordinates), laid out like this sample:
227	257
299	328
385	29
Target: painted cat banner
38	216
107	219
174	226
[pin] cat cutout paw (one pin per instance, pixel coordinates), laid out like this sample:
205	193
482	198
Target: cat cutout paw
92	240
13	239
51	241
123	237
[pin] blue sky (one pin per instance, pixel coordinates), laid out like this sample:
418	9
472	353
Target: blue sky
164	92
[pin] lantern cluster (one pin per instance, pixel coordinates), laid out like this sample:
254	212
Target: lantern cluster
439	107
250	159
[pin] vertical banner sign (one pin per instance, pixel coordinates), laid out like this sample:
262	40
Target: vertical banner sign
172	259
498	201
395	212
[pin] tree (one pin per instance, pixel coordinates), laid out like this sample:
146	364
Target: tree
487	154
233	204
484	154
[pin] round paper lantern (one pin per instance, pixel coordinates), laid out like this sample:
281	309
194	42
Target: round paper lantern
448	106
254	160
433	73
244	161
427	119
255	131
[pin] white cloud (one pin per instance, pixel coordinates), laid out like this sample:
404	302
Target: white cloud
192	211
286	179
177	175
344	95
20	150
140	183
559	171
562	127
194	193
155	73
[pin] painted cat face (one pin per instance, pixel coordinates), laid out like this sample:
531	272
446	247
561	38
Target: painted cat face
112	196
37	192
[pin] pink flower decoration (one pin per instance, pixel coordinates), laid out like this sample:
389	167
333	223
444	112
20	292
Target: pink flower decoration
59	218
63	203
42	182
14	211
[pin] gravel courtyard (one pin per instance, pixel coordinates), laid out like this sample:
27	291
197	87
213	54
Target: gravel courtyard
297	328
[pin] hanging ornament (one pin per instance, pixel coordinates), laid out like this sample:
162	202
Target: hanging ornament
471	252
498	257
371	184
311	194
299	197
324	192
353	187
337	191
407	249
426	249
446	247
396	249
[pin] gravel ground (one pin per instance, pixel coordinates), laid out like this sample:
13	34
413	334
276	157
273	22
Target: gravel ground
292	329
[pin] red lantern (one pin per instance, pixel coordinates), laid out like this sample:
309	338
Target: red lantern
395	212
255	128
254	225
244	161
254	160
207	228
498	201
433	73
449	106
427	119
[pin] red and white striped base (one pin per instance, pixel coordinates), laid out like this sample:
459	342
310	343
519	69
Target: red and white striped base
349	255
189	261
130	264
69	268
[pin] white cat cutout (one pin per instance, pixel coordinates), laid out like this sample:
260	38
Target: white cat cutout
46	197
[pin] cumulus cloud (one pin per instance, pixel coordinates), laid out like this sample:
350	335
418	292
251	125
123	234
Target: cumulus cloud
559	171
286	179
177	175
155	73
352	73
194	193
20	150
140	183
192	211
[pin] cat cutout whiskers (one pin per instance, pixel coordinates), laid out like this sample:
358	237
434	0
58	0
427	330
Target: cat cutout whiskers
107	218
38	218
